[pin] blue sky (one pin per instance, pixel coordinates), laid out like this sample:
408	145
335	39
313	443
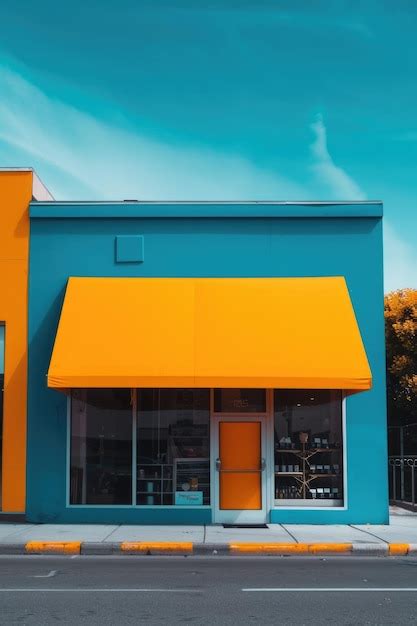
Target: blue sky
218	100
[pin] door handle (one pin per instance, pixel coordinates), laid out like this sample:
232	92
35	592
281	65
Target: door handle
218	464
263	464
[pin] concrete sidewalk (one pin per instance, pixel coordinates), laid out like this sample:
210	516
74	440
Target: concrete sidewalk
397	538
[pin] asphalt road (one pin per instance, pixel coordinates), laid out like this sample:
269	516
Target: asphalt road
45	590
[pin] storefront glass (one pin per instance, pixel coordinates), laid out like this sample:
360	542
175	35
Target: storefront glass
173	450
308	446
151	447
167	462
101	447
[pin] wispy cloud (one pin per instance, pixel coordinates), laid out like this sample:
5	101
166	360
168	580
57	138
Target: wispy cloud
338	182
400	261
83	156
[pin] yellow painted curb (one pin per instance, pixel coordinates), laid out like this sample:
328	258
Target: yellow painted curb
154	546
290	548
269	548
330	548
398	549
53	547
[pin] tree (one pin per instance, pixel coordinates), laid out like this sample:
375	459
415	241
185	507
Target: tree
401	339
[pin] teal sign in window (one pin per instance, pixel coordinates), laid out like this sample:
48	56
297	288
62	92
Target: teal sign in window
189	498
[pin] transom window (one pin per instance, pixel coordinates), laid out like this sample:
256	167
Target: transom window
239	400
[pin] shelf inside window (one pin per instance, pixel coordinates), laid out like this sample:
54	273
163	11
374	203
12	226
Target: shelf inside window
288	474
299	451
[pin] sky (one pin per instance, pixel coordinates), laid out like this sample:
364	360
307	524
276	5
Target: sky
245	99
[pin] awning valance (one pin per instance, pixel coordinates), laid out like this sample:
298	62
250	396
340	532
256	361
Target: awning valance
209	332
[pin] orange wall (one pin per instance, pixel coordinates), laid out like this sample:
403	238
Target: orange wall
15	195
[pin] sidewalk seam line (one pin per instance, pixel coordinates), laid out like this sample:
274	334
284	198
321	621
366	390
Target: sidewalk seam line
290	534
369	533
109	535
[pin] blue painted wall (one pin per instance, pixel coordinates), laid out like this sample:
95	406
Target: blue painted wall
221	246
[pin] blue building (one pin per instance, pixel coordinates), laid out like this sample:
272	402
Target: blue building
206	362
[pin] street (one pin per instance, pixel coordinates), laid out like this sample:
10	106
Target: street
217	590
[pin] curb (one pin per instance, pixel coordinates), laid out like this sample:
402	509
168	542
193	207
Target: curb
157	548
97	548
53	547
152	548
211	549
370	549
284	549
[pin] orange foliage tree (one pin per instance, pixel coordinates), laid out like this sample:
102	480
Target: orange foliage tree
401	339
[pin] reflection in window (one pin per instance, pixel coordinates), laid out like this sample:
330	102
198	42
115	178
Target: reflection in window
308	447
173	465
101	446
1	403
239	400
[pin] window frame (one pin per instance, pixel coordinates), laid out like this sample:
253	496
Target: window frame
134	504
270	451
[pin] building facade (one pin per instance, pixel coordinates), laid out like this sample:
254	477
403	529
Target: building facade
205	362
17	188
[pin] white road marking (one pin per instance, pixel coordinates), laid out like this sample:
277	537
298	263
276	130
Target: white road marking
332	589
50	575
93	590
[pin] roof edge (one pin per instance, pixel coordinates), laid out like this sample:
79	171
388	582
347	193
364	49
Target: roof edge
205	209
226	202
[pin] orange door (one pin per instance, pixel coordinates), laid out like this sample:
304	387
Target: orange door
240	465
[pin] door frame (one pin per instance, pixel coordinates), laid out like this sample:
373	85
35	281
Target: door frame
241	516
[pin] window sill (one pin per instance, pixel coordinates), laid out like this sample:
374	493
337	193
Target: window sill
138	506
308	504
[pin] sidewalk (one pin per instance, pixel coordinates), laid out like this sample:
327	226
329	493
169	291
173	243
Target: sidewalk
397	538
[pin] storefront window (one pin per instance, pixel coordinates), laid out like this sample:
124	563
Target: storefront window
173	450
101	447
239	400
308	448
171	447
1	404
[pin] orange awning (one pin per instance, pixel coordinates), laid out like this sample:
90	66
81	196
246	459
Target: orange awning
209	332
